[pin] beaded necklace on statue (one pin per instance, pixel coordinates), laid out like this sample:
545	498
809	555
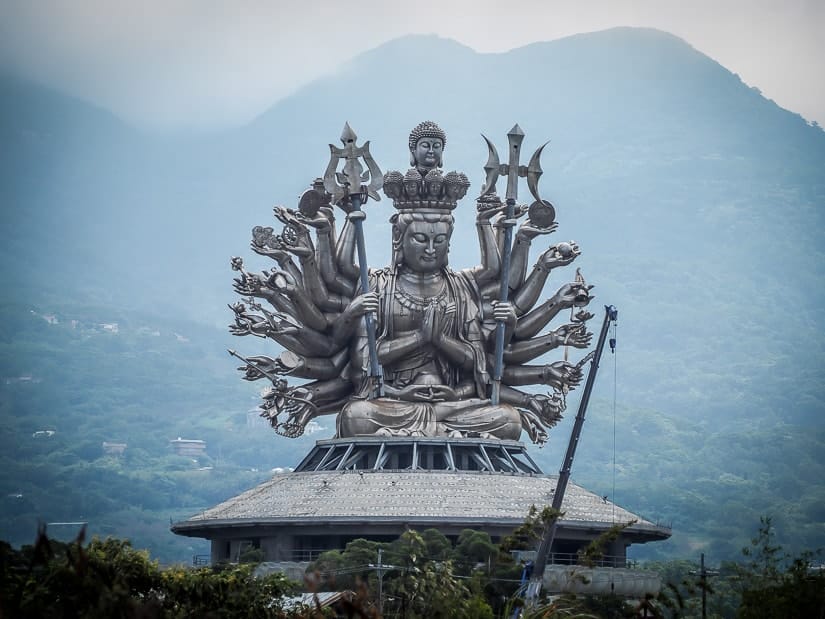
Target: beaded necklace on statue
417	303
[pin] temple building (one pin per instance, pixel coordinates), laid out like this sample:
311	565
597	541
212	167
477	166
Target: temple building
376	489
188	447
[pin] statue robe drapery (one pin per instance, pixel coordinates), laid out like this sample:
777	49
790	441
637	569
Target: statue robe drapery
473	415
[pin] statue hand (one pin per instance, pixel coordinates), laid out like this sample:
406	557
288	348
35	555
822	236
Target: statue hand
442	393
295	239
363	304
520	210
563	375
559	255
282	327
276	254
279	366
356	215
346	205
530	231
239	308
428	325
503	312
247	285
446	321
261	234
245	323
487	214
574	334
240	328
583	316
573	294
320	222
300	418
286	216
532	425
282	281
297	408
256	367
282	323
427	393
548	408
269	406
299	412
273	247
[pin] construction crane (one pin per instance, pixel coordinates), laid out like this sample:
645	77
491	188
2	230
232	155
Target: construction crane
534	586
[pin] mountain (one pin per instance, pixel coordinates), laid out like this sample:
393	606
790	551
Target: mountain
698	205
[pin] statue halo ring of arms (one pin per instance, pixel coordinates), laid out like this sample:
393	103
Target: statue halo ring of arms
431	329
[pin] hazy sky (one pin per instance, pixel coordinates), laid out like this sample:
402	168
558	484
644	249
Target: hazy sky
201	63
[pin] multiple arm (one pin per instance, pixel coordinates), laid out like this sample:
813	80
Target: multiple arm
317	317
312	314
490	267
521	250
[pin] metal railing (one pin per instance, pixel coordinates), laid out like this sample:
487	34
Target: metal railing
555	558
573	558
308	554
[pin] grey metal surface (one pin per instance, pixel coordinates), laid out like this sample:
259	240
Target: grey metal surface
433	454
408	349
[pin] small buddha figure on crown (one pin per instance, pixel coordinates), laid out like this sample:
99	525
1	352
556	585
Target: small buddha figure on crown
432	336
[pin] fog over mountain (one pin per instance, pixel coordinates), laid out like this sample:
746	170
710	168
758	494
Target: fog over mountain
699	206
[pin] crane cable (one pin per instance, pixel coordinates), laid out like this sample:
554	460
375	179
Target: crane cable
612	343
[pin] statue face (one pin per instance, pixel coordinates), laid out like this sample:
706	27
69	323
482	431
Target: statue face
428	152
392	190
425	245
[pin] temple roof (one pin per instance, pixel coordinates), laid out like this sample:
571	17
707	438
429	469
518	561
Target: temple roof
414	497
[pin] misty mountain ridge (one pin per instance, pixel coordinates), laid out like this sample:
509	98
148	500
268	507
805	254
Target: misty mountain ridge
696	201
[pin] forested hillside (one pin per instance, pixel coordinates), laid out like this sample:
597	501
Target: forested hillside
84	375
698	205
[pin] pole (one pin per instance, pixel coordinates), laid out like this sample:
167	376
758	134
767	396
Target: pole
381	568
704	573
704	584
534	588
348	184
515	137
380	584
375	368
503	295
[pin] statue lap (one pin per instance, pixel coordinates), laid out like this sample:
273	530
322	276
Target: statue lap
470	416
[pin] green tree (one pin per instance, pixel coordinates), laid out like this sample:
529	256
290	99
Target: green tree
108	578
348	569
438	546
776	585
423	587
473	548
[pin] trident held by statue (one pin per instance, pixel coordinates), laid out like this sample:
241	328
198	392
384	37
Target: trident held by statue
513	170
350	186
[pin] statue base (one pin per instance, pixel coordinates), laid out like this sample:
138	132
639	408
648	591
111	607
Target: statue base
378	487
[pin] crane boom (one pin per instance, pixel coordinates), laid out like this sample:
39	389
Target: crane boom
534	587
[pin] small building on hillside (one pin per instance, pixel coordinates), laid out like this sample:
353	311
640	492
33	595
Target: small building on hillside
114	449
188	447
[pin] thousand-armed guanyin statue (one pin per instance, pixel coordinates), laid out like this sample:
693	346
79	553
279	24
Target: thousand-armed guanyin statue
415	348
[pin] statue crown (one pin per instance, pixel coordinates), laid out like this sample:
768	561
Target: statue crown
433	192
